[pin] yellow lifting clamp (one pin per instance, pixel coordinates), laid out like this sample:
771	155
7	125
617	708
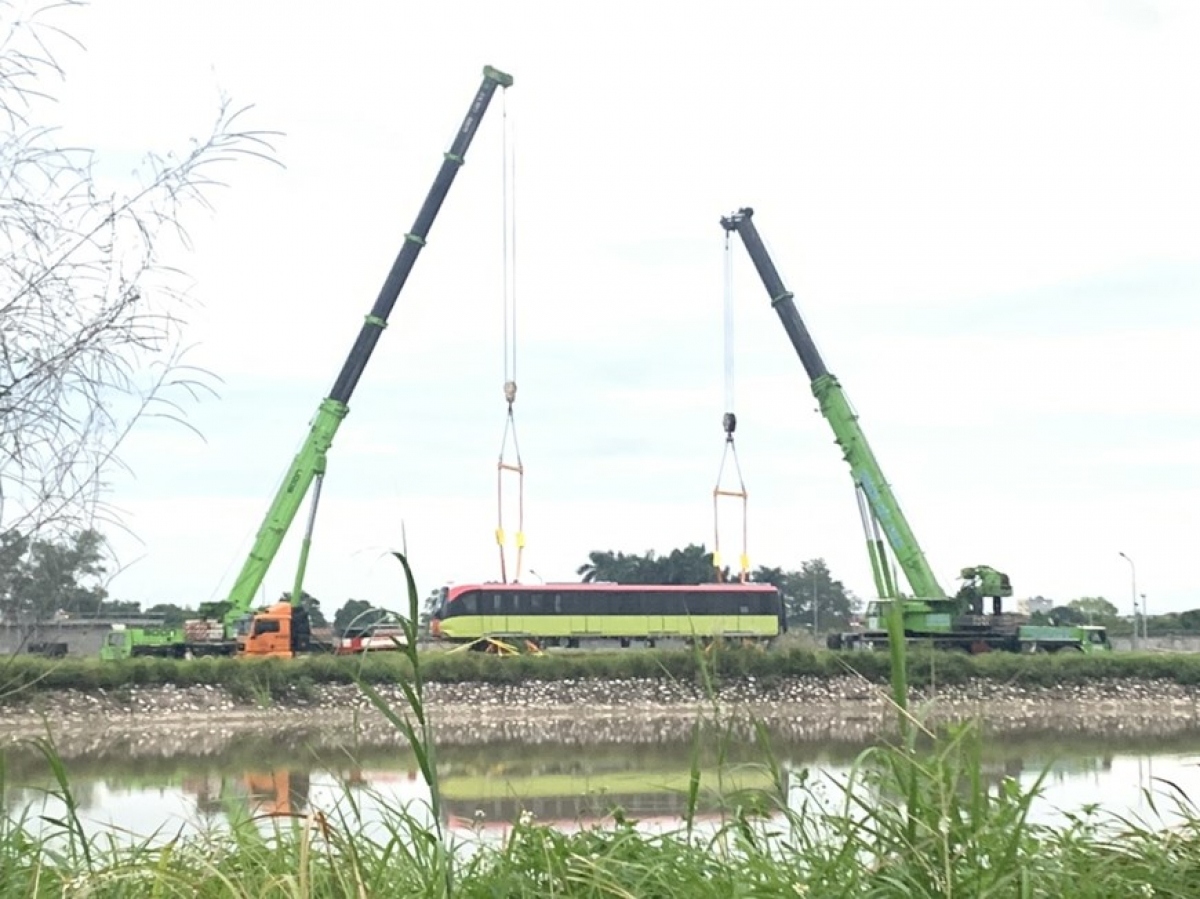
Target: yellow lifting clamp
730	452
502	466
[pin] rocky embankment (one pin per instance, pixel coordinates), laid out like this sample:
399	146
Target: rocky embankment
634	710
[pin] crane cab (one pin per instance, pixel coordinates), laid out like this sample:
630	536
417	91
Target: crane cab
282	630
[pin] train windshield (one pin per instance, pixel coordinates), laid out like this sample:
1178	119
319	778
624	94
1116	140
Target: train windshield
439	611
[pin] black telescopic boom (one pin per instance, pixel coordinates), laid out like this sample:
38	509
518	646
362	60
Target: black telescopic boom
781	298
414	241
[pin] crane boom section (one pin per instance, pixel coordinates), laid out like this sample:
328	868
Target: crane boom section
836	409
310	460
282	511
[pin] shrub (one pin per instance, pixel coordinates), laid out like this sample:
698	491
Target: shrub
21	675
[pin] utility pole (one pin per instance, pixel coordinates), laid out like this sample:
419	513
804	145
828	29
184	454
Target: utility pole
1134	592
814	604
1145	622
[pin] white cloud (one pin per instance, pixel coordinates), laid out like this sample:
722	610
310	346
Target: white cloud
989	218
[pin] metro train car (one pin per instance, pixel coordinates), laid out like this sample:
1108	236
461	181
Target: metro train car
566	614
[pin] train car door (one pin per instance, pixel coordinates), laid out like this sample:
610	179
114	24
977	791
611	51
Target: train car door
494	612
652	611
574	607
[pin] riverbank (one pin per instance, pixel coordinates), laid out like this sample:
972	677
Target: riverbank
632	710
780	838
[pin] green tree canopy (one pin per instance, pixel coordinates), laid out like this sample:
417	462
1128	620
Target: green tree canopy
1095	609
352	609
41	577
215	610
171	614
1067	615
811	587
691	565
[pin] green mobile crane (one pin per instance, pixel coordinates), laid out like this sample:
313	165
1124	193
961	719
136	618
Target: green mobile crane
929	613
284	628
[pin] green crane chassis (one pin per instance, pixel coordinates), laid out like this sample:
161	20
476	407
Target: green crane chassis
924	625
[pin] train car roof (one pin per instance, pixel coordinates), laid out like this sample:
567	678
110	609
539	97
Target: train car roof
612	585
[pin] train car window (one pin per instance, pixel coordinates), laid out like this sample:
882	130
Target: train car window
611	603
535	603
558	604
495	609
591	602
651	603
772	603
667	603
584	603
698	603
627	602
469	603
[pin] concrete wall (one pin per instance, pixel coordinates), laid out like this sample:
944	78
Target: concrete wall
1178	643
83	638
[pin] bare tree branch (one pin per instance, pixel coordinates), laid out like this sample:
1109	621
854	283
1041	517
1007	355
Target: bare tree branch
90	313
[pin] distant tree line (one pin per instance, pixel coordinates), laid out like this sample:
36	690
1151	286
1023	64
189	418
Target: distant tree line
43	578
1098	610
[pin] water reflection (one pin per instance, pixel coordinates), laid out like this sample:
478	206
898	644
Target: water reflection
143	790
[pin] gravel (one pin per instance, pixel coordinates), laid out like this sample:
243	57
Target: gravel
631	710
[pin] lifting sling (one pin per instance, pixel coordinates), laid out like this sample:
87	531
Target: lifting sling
729	423
503	466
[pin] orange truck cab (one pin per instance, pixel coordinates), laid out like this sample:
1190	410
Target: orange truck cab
281	630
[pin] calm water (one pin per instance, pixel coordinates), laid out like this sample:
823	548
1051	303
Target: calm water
157	784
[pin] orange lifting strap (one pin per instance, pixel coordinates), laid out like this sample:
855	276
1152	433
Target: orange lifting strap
730	452
502	466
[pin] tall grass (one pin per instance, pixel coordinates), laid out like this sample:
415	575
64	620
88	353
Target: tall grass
915	819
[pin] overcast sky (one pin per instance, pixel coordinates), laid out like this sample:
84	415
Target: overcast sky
990	217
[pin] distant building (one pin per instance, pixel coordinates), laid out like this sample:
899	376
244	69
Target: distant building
1034	604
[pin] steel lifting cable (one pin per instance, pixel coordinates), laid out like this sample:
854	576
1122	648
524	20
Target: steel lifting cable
503	466
729	423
